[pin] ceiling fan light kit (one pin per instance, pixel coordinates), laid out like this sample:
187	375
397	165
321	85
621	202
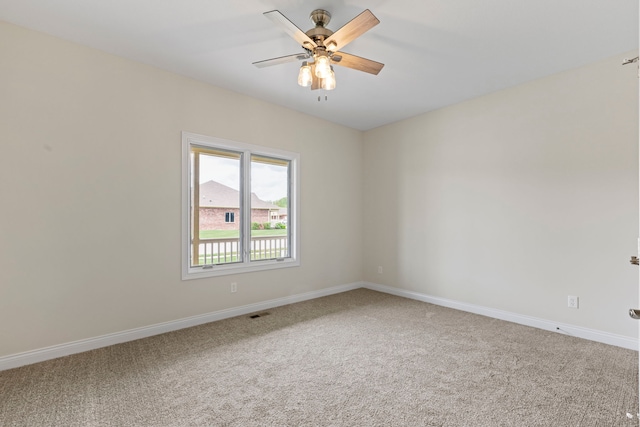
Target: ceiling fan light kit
321	44
323	66
304	76
329	82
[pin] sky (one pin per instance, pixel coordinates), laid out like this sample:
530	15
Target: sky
269	182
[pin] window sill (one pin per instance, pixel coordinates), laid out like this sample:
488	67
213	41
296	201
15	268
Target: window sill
228	269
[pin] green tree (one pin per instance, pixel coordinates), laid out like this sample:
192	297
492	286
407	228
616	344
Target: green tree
283	203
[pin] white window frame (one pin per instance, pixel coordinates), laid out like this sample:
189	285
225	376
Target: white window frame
293	222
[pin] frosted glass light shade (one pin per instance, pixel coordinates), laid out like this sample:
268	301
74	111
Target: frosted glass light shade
304	76
329	83
323	67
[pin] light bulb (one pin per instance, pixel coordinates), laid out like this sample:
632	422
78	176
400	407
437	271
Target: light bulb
329	83
304	76
323	67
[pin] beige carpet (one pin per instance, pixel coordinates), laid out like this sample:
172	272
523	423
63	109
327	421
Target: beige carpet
360	358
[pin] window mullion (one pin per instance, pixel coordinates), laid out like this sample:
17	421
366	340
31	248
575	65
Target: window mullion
245	211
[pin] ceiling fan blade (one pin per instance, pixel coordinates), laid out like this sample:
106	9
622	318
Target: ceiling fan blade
352	29
282	60
356	62
291	29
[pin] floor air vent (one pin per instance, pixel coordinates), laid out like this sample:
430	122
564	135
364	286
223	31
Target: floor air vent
255	316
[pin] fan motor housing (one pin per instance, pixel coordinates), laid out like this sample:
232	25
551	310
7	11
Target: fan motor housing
320	17
319	33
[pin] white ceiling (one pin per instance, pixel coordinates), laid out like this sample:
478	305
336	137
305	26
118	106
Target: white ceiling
436	52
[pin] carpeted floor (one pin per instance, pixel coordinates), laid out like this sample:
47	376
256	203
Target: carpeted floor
359	358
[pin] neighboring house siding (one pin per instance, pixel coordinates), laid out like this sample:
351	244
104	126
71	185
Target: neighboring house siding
216	200
214	218
260	215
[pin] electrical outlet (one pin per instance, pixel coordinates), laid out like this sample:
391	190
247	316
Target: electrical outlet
379	269
572	302
234	287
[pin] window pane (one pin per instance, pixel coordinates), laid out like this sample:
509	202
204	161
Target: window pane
215	204
270	237
240	207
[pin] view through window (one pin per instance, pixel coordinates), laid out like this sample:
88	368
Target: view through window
239	206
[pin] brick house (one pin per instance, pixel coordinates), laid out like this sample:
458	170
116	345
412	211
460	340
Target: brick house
219	207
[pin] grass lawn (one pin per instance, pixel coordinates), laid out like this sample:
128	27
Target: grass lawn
228	234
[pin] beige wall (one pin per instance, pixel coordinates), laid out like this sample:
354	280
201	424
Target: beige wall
88	142
511	201
514	200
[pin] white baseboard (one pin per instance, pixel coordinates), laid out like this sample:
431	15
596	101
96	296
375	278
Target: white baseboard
53	352
563	328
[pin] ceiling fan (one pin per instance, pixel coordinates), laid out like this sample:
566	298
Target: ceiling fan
321	45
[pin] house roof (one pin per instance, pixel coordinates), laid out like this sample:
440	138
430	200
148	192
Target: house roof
216	195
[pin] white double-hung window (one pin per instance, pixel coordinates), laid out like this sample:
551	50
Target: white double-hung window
239	207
